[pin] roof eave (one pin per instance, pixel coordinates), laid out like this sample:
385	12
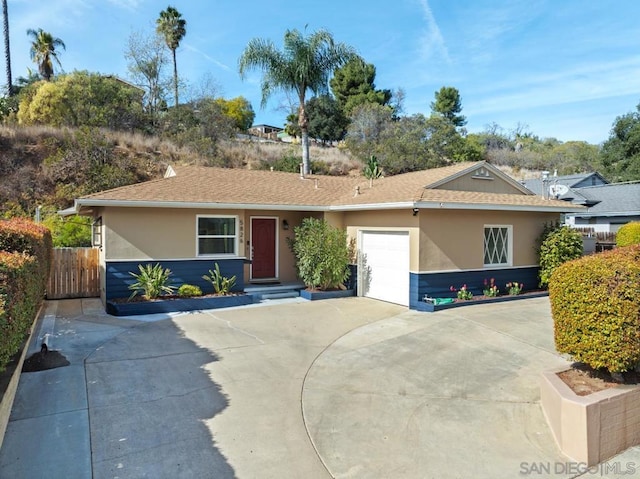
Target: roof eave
90	202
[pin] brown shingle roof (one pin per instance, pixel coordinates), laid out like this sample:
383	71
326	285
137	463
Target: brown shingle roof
207	185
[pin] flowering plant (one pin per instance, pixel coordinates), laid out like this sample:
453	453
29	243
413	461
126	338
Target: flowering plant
490	288
463	292
515	288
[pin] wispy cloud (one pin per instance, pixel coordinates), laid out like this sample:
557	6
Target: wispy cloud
585	82
207	57
431	40
128	4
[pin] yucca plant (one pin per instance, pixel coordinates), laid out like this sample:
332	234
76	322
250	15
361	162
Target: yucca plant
152	281
221	284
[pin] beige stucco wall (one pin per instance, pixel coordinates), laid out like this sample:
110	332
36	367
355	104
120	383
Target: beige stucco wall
454	239
163	233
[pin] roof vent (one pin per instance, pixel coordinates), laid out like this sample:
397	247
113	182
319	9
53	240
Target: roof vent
316	183
357	191
302	171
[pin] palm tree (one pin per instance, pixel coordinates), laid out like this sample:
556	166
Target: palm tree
304	64
7	50
43	51
172	27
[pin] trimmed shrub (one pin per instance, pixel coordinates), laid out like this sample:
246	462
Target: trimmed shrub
628	234
189	290
322	254
560	245
20	297
595	303
22	235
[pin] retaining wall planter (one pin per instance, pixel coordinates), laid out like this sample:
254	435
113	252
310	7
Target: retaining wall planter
591	429
430	307
177	305
315	295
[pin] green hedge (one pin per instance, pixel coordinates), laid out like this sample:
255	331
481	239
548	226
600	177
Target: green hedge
628	234
595	302
20	298
21	235
560	245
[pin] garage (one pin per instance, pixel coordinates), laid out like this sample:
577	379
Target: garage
384	266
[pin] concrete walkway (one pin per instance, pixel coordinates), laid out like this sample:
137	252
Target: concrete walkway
339	388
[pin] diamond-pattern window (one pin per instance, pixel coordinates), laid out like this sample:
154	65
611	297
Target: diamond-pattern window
496	245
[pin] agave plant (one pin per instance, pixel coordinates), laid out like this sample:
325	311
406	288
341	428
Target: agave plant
152	281
221	284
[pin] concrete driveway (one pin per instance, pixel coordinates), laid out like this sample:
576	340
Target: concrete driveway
339	388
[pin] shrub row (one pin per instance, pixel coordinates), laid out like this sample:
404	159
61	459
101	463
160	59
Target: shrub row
595	302
25	261
21	235
628	234
19	301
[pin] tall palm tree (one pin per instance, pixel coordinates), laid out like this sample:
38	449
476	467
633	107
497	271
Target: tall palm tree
304	64
43	51
7	50
171	26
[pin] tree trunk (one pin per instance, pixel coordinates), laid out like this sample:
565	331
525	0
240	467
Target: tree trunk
303	123
7	50
175	76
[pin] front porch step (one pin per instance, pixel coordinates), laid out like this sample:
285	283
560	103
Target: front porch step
274	291
284	294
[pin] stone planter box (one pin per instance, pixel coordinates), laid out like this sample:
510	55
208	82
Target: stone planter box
315	295
593	428
430	307
177	305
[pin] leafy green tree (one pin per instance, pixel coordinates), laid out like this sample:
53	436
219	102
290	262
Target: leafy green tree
322	254
620	154
7	49
44	50
449	106
305	63
326	121
291	127
353	84
559	246
147	59
72	232
172	27
82	99
239	110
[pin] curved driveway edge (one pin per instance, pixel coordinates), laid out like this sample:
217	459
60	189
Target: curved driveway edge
453	394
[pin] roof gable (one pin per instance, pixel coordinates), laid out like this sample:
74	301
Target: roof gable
481	178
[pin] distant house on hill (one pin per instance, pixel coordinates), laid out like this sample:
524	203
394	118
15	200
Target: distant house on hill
265	131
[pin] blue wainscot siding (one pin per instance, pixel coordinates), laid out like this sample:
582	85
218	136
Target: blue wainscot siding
437	285
118	277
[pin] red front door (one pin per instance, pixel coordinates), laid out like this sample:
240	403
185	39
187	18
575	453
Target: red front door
263	243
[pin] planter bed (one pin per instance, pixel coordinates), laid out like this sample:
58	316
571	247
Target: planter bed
315	295
430	307
592	428
174	305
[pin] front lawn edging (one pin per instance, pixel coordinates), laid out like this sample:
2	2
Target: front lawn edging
316	295
430	307
176	305
593	428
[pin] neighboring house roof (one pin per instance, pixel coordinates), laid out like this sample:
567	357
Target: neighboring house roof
208	187
570	181
617	199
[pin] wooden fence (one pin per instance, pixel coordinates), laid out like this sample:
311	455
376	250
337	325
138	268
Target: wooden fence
74	273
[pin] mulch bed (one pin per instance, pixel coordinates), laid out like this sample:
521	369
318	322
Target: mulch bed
584	380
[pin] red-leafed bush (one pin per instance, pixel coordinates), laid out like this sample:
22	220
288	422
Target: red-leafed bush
21	235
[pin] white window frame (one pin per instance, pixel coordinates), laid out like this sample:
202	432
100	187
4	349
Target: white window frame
509	246
236	236
96	232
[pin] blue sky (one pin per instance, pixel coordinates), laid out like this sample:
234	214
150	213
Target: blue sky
566	69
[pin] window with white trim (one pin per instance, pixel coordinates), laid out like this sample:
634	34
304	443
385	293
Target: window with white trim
217	235
498	243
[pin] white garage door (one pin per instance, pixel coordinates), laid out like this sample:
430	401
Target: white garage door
384	268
